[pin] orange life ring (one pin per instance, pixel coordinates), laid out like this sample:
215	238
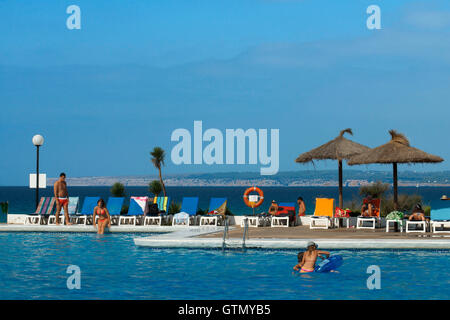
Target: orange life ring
253	204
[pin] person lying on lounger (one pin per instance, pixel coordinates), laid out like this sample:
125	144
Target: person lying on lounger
418	214
310	257
103	217
367	207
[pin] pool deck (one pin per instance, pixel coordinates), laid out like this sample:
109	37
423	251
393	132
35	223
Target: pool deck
298	237
113	229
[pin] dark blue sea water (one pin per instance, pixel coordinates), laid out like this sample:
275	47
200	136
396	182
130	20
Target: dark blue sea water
22	199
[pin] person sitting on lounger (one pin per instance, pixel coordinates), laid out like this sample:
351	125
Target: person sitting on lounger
310	257
367	207
417	214
103	217
273	209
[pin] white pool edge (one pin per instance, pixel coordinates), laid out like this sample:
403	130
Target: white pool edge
189	242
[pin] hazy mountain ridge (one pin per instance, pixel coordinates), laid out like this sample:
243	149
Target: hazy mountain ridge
288	178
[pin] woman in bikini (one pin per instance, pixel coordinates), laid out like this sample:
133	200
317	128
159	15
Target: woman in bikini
103	217
418	214
367	207
310	256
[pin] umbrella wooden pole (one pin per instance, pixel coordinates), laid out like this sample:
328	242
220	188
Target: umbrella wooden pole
395	186
341	205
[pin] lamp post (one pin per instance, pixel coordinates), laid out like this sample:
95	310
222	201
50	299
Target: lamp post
38	141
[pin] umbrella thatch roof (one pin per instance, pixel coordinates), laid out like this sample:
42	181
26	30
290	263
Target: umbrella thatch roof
397	150
339	148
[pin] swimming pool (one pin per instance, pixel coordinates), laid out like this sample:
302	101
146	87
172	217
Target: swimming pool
34	265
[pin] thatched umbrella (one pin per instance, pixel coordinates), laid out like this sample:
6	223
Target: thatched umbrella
395	151
339	149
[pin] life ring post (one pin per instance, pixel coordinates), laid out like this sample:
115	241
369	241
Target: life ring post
252	204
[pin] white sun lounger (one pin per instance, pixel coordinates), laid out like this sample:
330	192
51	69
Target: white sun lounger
440	218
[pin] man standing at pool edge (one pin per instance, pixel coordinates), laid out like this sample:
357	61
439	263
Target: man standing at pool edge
62	198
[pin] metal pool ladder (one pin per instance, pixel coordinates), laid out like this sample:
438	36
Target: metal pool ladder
225	235
245	235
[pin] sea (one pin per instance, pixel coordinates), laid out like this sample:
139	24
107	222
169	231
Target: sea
22	199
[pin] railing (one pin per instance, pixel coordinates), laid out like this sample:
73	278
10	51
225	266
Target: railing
225	234
245	235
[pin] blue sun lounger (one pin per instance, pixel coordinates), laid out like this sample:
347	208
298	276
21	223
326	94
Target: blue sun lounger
186	217
136	210
87	211
440	218
73	207
114	207
216	212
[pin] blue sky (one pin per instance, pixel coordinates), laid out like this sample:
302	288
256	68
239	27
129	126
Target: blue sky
105	95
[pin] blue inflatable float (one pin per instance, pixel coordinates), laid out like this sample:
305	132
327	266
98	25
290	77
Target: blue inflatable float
332	263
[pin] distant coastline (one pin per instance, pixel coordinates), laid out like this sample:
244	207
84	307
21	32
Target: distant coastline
310	178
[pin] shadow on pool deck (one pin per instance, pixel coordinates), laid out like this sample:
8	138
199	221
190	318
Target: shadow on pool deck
303	232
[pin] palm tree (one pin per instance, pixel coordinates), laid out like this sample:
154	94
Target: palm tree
158	155
118	190
155	187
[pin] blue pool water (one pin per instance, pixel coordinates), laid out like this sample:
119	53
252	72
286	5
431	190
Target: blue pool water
33	266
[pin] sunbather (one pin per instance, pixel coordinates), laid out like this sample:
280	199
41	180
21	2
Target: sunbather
310	257
367	207
103	217
273	209
418	214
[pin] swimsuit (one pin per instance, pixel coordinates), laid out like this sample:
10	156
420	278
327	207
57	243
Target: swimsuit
304	270
63	201
102	215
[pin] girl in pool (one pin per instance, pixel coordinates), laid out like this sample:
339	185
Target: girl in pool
298	266
310	257
103	217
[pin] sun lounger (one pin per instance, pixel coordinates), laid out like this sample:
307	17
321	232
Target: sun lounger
136	210
73	207
395	218
286	213
416	226
186	217
373	221
323	214
216	215
87	211
440	218
114	207
44	208
163	207
254	221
